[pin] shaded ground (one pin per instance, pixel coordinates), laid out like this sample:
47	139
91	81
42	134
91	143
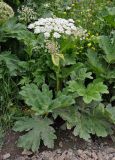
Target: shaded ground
67	147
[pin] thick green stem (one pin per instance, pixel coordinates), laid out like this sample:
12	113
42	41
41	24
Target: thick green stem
57	79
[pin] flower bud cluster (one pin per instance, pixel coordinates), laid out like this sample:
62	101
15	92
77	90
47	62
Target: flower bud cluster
52	47
6	12
26	14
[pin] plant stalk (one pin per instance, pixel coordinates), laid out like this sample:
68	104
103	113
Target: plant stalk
58	79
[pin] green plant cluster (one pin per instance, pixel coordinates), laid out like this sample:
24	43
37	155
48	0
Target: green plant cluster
78	85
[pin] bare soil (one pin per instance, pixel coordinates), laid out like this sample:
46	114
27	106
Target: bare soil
67	147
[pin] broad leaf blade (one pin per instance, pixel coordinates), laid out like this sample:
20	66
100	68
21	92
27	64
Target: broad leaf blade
37	129
40	101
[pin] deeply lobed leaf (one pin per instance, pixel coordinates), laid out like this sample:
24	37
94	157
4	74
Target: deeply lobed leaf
92	92
37	129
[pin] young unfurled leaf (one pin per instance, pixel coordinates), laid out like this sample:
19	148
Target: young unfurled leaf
42	102
37	129
92	92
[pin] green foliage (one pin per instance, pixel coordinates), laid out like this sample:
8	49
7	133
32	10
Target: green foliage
108	16
76	84
92	92
1	137
82	74
42	102
88	125
108	47
37	129
12	29
111	113
97	121
13	64
95	62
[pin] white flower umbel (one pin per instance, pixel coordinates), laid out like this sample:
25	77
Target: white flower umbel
56	27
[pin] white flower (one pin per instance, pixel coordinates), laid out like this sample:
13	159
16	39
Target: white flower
68	32
43	29
56	35
68	8
36	30
47	35
71	20
31	26
73	27
46	5
61	30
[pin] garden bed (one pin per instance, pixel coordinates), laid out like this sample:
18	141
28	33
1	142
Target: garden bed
67	147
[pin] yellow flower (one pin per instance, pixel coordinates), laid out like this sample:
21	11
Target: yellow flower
93	48
65	13
92	36
89	44
88	10
78	20
73	5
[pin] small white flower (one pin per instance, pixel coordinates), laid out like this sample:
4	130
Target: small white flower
55	28
68	32
61	30
36	30
43	29
68	8
31	26
73	27
71	20
56	35
47	35
46	5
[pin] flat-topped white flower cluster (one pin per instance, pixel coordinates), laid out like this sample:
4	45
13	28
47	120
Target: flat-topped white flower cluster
56	27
